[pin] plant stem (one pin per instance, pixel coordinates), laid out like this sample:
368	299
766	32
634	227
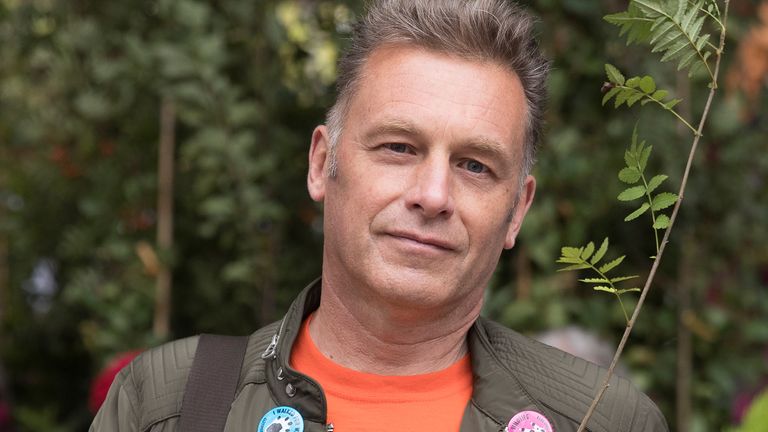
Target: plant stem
679	117
623	309
653	214
615	291
665	240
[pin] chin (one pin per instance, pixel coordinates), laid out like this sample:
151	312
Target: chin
415	290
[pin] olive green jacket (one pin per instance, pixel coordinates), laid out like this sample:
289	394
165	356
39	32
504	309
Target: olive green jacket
512	373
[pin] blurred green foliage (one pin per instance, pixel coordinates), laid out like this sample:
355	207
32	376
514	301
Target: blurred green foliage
81	86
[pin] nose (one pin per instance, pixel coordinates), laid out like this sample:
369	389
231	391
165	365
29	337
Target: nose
430	191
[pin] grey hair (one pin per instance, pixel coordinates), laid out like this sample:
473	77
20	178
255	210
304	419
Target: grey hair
482	30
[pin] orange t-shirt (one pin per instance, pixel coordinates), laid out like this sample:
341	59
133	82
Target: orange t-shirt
364	402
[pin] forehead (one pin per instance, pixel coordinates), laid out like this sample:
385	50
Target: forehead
406	83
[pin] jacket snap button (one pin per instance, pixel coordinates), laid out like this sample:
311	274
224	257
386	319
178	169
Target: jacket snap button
280	376
290	390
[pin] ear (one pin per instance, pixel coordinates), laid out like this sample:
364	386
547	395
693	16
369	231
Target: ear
523	204
318	158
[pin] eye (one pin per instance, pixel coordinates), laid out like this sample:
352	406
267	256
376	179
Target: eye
398	147
475	167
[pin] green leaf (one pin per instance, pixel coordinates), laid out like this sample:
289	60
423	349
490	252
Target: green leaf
574	267
629	175
600	252
663	200
671	104
622	97
645	154
659	95
633	82
614	75
655	182
588	251
647	85
626	290
632	193
611	93
674	30
594	280
637	213
570	252
623	278
633	23
605	288
569	260
662	222
634	98
605	268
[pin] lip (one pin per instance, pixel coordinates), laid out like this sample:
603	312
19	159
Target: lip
434	242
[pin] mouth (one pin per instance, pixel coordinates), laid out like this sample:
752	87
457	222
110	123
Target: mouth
423	240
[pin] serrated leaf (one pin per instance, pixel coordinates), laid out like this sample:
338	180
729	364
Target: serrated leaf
675	50
637	213
629	175
633	82
629	158
671	104
605	268
632	193
587	252
622	97
569	260
663	200
645	154
647	85
605	288
600	252
570	252
614	75
655	182
634	98
594	280
632	23
574	267
611	93
623	278
675	30
659	95
626	290
662	222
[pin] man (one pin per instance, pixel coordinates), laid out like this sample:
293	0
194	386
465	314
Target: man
423	170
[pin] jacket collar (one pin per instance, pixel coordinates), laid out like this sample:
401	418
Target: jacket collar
497	393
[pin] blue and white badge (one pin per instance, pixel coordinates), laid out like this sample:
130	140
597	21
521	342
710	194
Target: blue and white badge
281	419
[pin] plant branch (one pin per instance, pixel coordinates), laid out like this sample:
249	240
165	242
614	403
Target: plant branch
665	240
653	214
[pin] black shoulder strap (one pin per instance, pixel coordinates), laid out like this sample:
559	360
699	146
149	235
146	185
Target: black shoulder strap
212	383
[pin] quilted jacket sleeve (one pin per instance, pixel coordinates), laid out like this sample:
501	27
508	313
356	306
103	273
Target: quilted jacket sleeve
119	411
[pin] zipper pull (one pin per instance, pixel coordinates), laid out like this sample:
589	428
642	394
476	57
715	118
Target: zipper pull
271	350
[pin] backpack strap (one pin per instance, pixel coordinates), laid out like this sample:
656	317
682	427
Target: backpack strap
212	383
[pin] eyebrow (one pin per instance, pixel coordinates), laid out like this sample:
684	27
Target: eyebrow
394	127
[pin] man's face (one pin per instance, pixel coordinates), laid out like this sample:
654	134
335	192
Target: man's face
429	167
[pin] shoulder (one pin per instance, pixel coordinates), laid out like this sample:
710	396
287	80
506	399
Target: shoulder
150	389
567	384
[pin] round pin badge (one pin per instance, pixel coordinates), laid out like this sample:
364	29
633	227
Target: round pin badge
529	421
281	419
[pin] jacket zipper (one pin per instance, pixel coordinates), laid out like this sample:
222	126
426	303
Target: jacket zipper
271	351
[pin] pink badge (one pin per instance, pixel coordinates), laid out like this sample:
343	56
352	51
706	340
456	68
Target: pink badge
529	421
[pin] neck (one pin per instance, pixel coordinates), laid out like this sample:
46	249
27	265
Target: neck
386	341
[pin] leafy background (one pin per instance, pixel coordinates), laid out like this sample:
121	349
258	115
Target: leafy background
82	85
